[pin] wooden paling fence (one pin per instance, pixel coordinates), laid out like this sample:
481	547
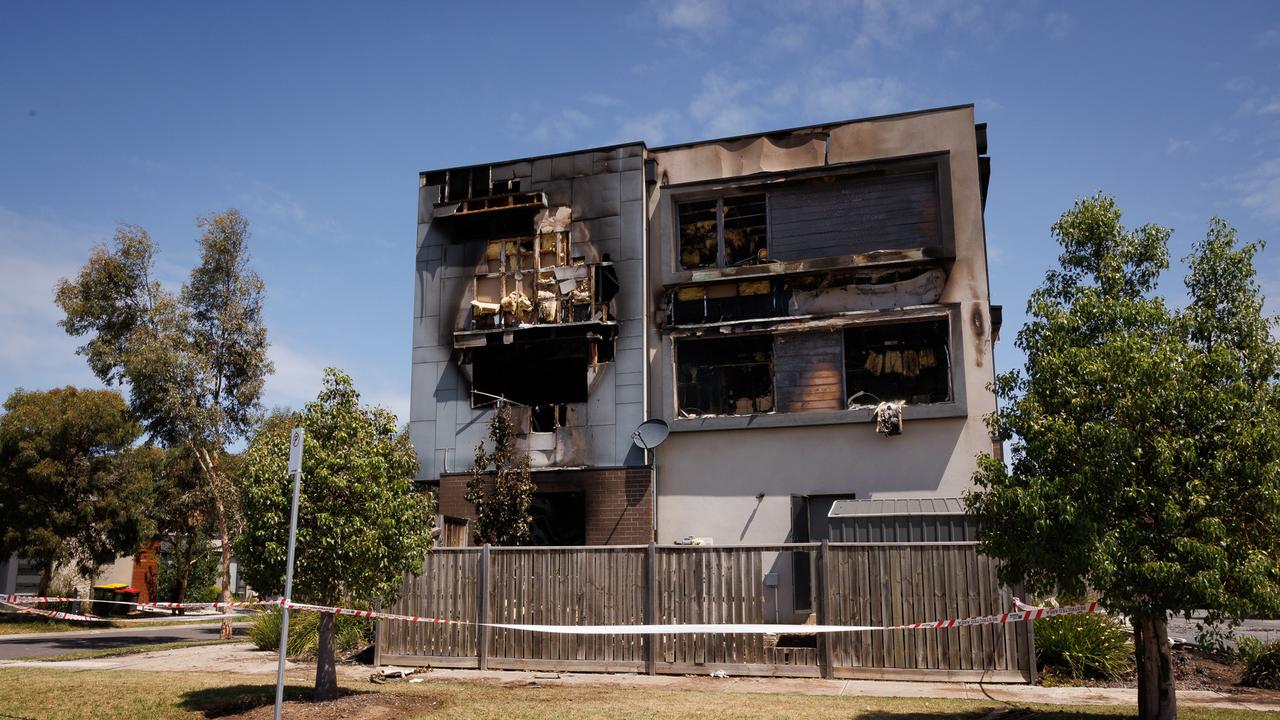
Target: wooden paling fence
853	584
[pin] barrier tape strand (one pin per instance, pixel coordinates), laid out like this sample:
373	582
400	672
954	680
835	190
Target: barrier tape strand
1022	612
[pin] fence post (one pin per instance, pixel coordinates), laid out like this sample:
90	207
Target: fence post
823	601
482	611
1033	670
651	608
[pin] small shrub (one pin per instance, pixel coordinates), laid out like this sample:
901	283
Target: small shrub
1249	647
1262	666
203	593
1214	636
349	633
1092	646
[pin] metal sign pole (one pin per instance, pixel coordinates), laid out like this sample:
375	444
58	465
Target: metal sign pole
295	469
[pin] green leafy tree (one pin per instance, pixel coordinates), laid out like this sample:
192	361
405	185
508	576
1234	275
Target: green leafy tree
71	488
500	488
361	527
1145	439
184	525
195	361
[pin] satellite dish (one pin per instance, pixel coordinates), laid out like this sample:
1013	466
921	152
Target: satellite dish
650	434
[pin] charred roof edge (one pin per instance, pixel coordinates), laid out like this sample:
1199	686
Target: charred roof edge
531	158
815	126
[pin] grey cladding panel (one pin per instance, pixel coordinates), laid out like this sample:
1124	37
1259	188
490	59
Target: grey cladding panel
854	215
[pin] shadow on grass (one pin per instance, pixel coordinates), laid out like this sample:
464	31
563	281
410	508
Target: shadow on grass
1002	714
216	702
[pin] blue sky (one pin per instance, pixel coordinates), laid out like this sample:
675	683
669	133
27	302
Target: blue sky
314	119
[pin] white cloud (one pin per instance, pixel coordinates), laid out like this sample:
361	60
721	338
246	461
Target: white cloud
1058	24
1178	147
695	16
722	108
1238	84
727	105
34	351
653	128
1259	189
890	23
1260	105
790	36
297	378
564	126
601	100
299	372
272	207
853	98
989	105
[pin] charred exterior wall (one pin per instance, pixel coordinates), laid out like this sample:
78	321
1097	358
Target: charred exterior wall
895	205
618	502
592	203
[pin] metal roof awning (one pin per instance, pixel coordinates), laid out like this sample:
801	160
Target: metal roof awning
897	506
894	520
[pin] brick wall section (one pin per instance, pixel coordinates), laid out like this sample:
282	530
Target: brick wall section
619	501
146	571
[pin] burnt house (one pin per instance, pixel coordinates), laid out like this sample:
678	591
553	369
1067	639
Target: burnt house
807	309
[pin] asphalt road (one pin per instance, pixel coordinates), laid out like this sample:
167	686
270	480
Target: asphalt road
46	644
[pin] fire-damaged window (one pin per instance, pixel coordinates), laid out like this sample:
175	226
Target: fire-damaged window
534	374
906	361
724	232
725	376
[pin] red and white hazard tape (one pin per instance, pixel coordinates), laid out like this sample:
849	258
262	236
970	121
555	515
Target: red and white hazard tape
54	614
1022	612
25	600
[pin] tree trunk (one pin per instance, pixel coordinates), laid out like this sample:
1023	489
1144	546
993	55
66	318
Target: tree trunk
183	564
225	595
46	577
326	667
1156	697
208	463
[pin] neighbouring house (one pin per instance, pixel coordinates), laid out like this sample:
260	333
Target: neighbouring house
22	577
807	309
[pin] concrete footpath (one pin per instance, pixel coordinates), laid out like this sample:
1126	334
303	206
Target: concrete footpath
241	658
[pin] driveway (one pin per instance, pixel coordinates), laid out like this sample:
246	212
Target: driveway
61	643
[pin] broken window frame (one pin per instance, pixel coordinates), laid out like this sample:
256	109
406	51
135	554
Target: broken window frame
938	347
718	384
944	360
722	259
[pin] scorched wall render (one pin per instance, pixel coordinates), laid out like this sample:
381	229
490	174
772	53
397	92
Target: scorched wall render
595	198
733	478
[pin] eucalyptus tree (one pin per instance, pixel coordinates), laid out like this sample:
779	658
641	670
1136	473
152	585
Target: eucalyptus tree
194	361
1145	438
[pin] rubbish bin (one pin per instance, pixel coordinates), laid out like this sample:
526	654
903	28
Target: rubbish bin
109	592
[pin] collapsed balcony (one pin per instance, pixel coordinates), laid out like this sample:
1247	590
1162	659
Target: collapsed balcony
805	295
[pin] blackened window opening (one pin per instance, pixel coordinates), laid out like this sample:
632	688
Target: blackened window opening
725	232
534	374
906	362
745	221
546	418
698	234
725	376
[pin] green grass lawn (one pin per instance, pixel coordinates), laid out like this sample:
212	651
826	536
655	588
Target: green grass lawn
58	695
